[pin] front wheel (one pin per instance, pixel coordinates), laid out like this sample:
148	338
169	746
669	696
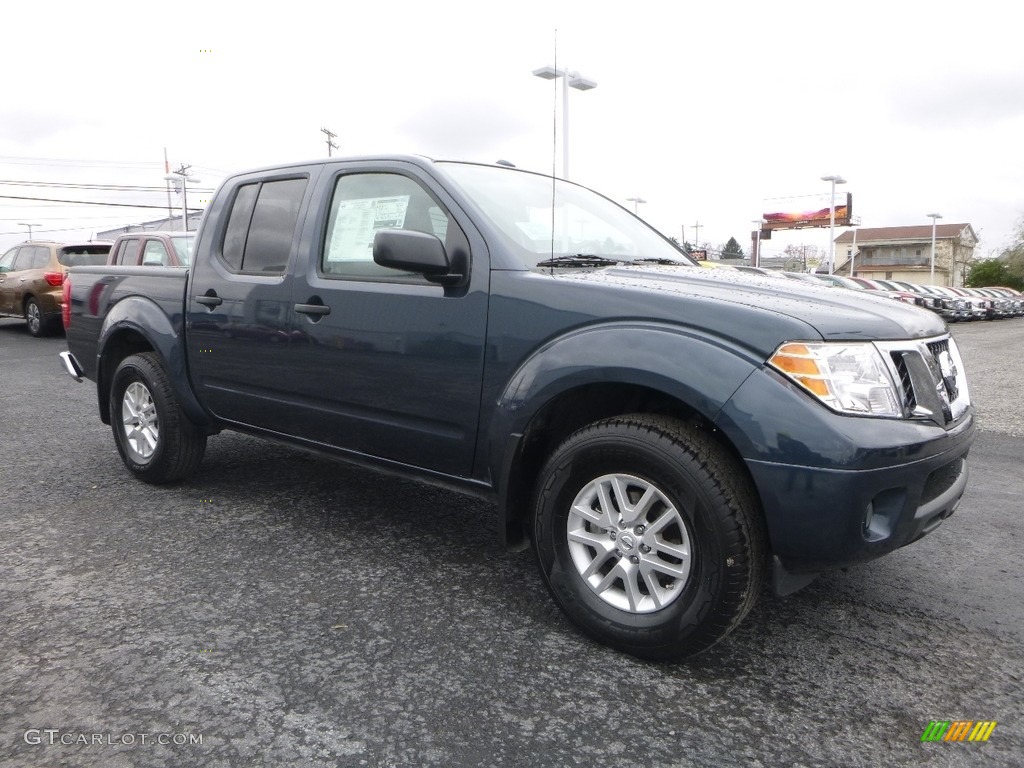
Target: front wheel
156	441
649	536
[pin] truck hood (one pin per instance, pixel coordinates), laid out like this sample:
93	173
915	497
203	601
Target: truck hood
833	313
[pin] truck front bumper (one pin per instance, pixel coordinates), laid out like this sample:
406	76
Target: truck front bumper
838	490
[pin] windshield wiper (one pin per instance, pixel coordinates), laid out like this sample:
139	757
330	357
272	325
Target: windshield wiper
659	260
578	260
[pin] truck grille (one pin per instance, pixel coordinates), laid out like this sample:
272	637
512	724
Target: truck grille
909	401
931	378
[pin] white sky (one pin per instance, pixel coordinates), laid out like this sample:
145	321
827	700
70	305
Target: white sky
707	111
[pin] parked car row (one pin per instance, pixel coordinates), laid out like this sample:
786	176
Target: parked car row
952	304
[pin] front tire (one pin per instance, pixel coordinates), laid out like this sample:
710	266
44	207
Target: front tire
156	441
649	535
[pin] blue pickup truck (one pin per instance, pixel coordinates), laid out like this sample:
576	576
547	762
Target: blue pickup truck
666	437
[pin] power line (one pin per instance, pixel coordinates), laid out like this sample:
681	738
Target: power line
104	187
48	229
85	202
83	163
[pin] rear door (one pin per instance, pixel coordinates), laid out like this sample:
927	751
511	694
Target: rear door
387	363
239	303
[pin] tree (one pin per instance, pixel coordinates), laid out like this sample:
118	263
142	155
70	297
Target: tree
732	250
992	272
1013	255
684	247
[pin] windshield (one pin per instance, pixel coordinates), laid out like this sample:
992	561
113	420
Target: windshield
581	223
183	247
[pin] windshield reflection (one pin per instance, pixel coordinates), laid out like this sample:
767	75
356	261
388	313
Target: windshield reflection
543	219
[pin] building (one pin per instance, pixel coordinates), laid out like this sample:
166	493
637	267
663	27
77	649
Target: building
905	253
171	224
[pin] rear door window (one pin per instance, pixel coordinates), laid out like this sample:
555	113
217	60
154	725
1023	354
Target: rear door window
261	226
128	251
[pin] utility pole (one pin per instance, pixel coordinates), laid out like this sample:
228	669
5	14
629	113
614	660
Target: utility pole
696	234
182	172
167	172
330	140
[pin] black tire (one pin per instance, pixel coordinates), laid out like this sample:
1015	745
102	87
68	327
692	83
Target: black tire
697	492
36	319
156	441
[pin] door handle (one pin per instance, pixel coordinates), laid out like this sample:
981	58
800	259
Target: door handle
209	301
313	309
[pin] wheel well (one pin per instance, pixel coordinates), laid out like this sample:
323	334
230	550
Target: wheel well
118	347
569	412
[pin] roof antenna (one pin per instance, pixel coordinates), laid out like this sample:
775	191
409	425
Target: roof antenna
554	143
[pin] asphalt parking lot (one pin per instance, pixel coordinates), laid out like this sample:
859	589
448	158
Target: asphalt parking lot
279	609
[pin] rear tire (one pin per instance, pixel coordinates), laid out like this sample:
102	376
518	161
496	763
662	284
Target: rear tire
156	441
35	318
649	535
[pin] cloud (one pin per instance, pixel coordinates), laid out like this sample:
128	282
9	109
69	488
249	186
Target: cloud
961	99
25	127
463	128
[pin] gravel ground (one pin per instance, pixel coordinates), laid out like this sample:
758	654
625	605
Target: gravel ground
285	610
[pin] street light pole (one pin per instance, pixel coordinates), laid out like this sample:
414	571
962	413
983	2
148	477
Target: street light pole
832	219
853	251
934	217
570	79
756	261
635	201
21	224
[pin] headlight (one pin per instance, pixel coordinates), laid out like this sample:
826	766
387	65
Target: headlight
847	377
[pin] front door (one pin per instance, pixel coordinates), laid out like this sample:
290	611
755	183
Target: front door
388	364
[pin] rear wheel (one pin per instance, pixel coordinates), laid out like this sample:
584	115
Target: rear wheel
37	325
155	439
649	536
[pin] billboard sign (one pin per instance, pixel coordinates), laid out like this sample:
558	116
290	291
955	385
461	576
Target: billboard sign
795	218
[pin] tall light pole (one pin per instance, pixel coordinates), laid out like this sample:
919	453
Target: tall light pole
853	251
21	224
635	201
832	219
934	217
570	79
181	176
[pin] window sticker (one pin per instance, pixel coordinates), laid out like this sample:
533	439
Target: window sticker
356	222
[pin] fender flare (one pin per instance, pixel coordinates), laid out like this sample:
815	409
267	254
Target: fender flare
144	318
698	371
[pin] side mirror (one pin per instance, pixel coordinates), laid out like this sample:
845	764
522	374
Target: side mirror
414	252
